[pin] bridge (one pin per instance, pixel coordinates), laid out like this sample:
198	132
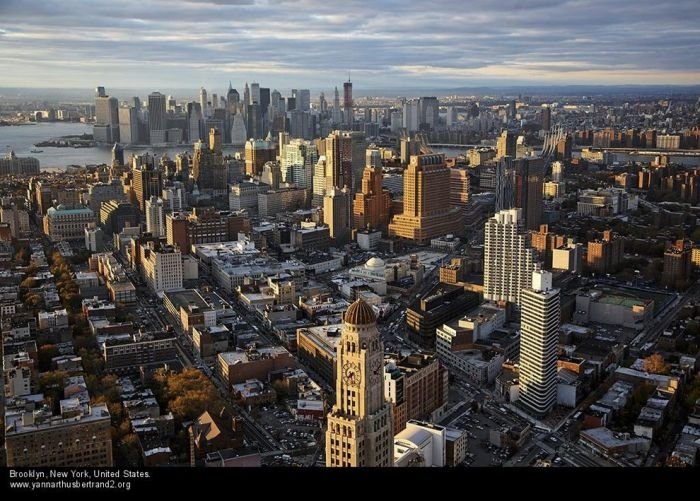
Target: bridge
456	146
654	152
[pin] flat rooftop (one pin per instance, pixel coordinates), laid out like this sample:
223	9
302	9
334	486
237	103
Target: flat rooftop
14	424
608	439
243	357
186	298
326	337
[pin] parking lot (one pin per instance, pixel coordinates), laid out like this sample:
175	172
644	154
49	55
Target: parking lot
293	435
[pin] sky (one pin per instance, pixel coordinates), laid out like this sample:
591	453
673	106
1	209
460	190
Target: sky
385	44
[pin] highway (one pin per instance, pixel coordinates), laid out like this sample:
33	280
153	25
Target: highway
662	323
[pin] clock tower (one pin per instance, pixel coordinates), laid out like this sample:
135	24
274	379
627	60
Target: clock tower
360	426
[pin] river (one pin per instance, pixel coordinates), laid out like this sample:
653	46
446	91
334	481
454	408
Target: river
22	138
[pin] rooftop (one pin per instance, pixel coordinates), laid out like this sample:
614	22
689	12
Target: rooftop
360	313
609	439
187	299
244	357
18	422
325	336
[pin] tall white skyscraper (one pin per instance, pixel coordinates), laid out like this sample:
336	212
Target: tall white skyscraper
128	125
203	103
508	262
106	128
155	217
538	344
411	115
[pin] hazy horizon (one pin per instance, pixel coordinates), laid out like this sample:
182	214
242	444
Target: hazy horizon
314	44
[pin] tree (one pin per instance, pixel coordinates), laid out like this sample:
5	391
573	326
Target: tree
186	394
692	393
693	328
129	451
655	364
46	353
28	283
51	384
93	363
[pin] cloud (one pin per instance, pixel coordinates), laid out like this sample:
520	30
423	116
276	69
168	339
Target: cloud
313	43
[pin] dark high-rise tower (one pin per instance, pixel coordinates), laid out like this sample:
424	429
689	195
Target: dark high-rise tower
347	102
156	117
208	168
529	177
147	180
546	115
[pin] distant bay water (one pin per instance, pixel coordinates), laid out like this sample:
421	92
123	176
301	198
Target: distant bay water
21	139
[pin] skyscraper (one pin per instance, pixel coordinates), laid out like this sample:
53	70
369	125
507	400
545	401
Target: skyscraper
426	206
429	112
347	103
538	345
319	182
303	100
106	129
337	209
337	112
460	188
265	100
338	160
156	117
506	145
203	102
360	426
208	168
546	118
147	180
508	263
246	97
194	121
128	125
411	115
254	93
155	217
298	158
232	100
519	184
257	152
322	104
372	204
529	178
505	184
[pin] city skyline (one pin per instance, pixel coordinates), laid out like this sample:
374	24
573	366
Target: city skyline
205	43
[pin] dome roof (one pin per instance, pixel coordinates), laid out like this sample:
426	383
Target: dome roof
360	313
375	262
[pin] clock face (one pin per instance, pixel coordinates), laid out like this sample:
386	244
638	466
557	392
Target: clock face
351	373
